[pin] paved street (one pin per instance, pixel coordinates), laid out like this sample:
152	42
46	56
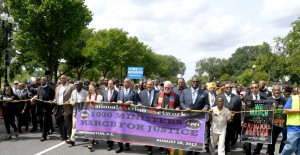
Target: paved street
29	144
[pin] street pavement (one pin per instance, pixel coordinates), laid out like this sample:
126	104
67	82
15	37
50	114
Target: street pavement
29	144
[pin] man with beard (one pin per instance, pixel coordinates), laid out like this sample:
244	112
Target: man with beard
263	90
63	112
168	100
196	99
233	103
45	92
78	97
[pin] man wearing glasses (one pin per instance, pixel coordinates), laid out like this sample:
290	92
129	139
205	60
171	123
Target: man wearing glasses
194	98
233	103
254	95
168	100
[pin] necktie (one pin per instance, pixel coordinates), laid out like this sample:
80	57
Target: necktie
212	102
126	92
255	97
193	97
149	98
109	95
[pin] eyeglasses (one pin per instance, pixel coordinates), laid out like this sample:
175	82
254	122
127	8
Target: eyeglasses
167	88
254	87
228	87
195	81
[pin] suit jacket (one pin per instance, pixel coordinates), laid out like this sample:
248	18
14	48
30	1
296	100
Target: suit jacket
114	97
131	96
144	100
235	104
46	94
68	108
250	97
23	95
178	91
201	101
165	104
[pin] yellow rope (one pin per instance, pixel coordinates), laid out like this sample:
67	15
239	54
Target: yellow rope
50	102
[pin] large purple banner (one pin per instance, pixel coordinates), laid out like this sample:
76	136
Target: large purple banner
142	125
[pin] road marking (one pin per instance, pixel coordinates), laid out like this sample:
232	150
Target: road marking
51	148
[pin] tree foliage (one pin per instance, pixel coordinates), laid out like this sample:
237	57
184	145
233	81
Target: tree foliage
49	28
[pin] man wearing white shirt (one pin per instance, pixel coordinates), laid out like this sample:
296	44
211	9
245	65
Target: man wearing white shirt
77	99
63	112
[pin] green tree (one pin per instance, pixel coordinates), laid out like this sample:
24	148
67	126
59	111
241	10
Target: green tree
213	66
50	28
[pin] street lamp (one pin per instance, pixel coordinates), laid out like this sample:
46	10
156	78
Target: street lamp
6	31
253	72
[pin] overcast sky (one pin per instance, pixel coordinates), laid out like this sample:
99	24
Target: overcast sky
195	29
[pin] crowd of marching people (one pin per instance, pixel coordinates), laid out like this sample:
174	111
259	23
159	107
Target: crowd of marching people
37	103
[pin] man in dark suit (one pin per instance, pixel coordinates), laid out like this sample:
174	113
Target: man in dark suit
254	95
45	92
126	97
234	104
110	95
263	90
147	98
195	99
23	115
181	86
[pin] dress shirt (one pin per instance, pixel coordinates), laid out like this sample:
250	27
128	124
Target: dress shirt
61	95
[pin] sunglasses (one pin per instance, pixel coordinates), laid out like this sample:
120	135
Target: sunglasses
195	81
228	87
254	87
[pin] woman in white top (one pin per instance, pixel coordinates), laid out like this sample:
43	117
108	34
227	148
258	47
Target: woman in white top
92	98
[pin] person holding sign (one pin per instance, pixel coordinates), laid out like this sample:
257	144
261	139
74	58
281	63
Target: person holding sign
254	95
219	117
292	109
279	118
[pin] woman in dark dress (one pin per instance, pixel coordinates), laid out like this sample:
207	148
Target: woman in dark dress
9	111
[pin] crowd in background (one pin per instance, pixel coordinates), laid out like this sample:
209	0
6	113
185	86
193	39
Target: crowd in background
39	102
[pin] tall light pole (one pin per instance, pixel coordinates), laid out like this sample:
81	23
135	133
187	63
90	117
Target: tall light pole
253	72
7	22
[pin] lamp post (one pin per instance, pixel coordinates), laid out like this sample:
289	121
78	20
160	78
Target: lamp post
253	72
7	22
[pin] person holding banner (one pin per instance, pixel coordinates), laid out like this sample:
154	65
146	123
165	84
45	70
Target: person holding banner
63	112
92	98
292	109
78	97
279	118
168	100
9	111
126	97
147	98
196	99
110	95
219	117
254	95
